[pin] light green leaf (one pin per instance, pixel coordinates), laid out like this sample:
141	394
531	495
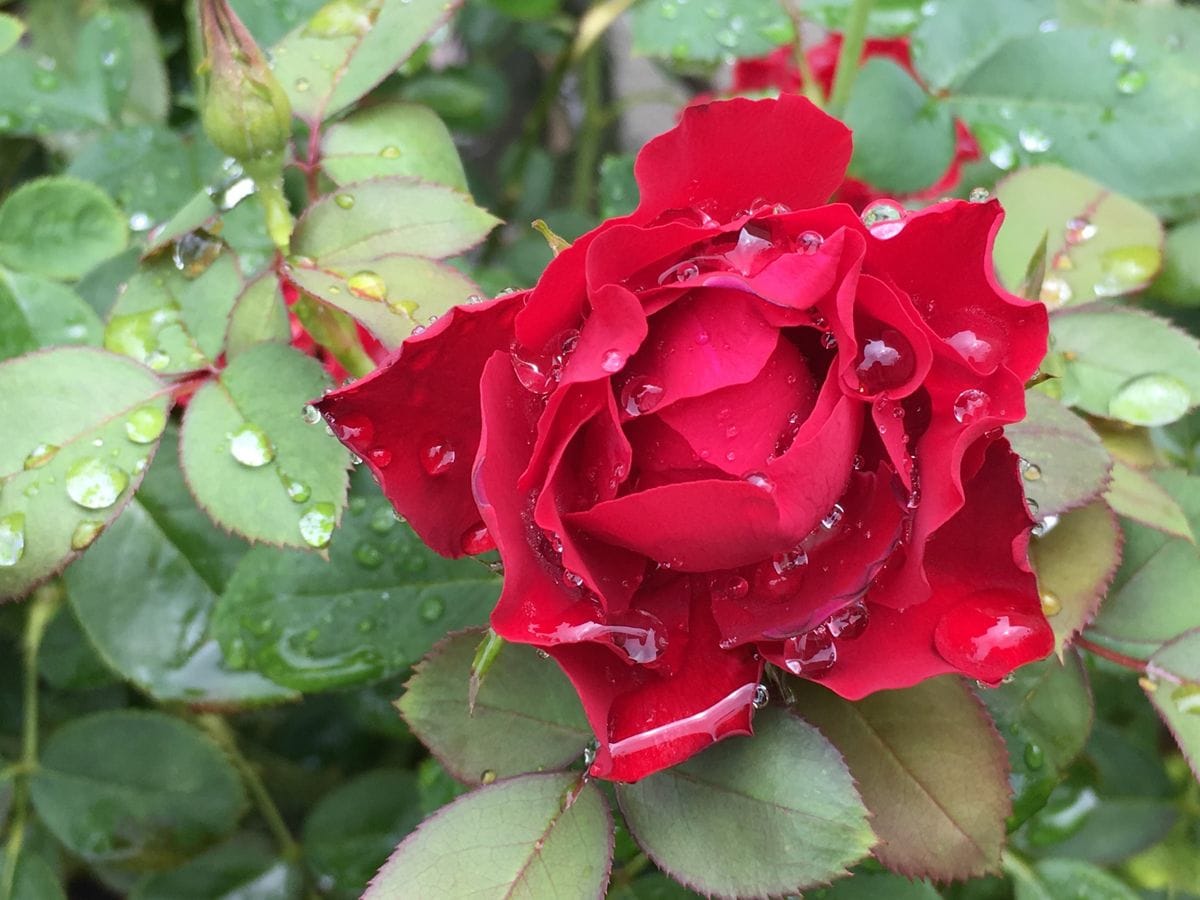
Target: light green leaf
958	34
1153	380
527	715
1052	879
35	880
935	815
11	29
709	32
252	462
146	592
1066	464
903	138
1135	495
259	316
348	47
269	20
369	249
1099	243
59	227
173	313
391	139
528	837
51	314
374	609
84	426
1075	562
767	815
243	868
1179	704
1179	281
126	786
352	831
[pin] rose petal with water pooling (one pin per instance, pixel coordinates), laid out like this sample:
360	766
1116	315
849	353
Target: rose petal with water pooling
986	640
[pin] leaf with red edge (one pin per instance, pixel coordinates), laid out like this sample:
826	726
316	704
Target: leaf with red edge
346	49
1175	692
1067	465
937	814
1135	495
1075	562
531	836
757	816
527	716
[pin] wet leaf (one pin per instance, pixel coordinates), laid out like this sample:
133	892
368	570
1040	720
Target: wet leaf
37	312
1135	495
259	316
243	868
531	836
391	139
765	815
709	32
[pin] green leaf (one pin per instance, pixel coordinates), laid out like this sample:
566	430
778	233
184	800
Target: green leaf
252	462
1099	243
1075	562
347	48
128	786
709	32
49	313
269	20
936	815
1052	879
34	879
391	139
370	250
59	227
83	430
618	188
259	316
527	715
1152	599
11	29
1179	280
888	18
353	829
243	868
146	592
767	815
1072	94
1135	495
374	609
1067	465
872	886
1179	706
903	138
67	660
1045	715
173	313
529	837
1153	380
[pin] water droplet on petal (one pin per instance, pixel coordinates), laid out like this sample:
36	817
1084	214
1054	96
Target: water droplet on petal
728	588
979	195
1030	471
316	525
145	424
971	347
829	340
809	242
85	533
971	404
987	641
40	455
613	361
849	622
640	396
355	428
12	539
537	377
760	481
810	653
438	458
884	362
311	415
250	446
884	219
761	697
1150	400
748	252
788	560
95	484
477	539
831	520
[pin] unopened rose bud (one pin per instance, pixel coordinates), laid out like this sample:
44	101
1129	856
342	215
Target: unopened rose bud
246	112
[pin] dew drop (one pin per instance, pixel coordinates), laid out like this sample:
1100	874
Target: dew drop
297	491
789	560
849	622
380	456
145	424
345	201
810	653
728	588
761	697
1055	292
1031	471
971	404
391	151
40	455
477	539
95	484
1035	757
1034	140
882	211
612	361
987	641
1079	231
12	539
1051	605
85	533
368	555
302	84
311	415
760	481
829	340
884	362
368	285
1121	51
834	516
487	777
438	458
810	242
431	608
979	195
640	396
250	446
971	347
316	525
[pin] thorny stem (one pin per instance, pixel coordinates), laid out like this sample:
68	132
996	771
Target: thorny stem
847	64
220	731
1129	662
42	608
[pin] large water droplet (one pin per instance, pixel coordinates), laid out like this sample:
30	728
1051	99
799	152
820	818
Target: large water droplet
85	533
145	424
760	481
95	484
971	347
787	560
345	201
810	653
194	252
536	376
1150	400
849	622
809	242
884	362
750	249
640	396
1034	140
40	455
250	446
971	404
979	195
368	285
12	539
316	525
728	588
477	539
438	458
612	361
987	641
833	517
762	697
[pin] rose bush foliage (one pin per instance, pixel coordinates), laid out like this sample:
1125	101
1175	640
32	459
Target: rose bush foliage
735	427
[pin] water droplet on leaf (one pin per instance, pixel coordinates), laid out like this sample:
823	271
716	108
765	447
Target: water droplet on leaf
145	424
12	539
40	455
316	525
95	484
250	446
85	533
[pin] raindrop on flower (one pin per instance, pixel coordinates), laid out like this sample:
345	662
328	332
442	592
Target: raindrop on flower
884	362
95	484
834	516
613	361
316	525
640	396
750	247
1030	471
760	481
971	347
761	697
477	539
979	195
829	340
727	588
971	404
849	622
311	415
810	242
987	641
250	446
810	653
884	218
788	560
367	285
438	458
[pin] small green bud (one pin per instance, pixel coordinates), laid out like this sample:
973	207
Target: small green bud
246	112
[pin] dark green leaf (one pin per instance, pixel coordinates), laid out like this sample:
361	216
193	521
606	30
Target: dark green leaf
527	716
935	815
67	659
391	139
1052	879
618	188
870	886
51	314
128	786
34	879
243	868
259	315
59	227
766	815
531	836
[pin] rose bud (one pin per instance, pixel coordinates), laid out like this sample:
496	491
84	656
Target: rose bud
738	426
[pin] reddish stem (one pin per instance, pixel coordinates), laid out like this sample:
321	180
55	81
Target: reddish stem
1113	656
313	163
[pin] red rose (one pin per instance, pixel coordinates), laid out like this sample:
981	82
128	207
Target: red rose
777	71
735	426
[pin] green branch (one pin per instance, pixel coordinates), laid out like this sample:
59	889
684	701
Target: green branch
847	64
